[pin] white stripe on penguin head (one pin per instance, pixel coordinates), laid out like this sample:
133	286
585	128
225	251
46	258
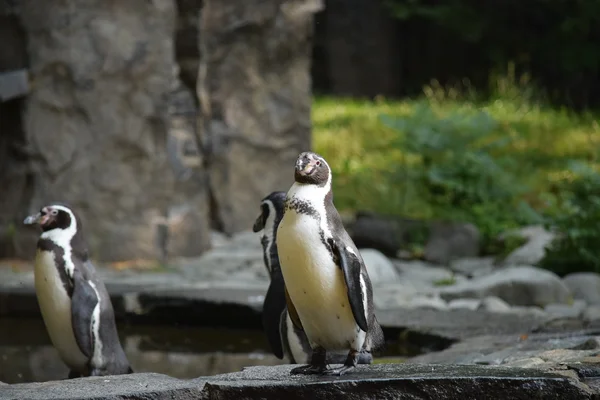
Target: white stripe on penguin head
62	238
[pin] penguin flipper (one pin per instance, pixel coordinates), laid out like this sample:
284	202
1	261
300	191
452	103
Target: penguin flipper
292	312
83	301
351	269
273	306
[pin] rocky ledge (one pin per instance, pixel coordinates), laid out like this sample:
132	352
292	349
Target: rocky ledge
395	381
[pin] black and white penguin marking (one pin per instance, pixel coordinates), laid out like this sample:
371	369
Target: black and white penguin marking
329	293
75	305
284	338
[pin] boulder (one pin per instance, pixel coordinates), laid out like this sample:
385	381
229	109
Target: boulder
584	286
451	240
380	268
104	122
591	313
566	310
469	304
425	276
387	234
373	381
473	267
254	87
494	304
519	285
532	252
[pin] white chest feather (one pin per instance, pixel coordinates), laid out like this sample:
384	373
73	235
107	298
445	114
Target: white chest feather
55	306
314	282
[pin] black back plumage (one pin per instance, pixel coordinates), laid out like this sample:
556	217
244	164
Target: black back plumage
274	303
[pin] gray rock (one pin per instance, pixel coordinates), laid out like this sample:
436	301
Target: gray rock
239	258
524	285
450	240
494	304
393	295
565	310
402	296
495	358
425	276
584	286
526	363
473	267
565	355
591	313
385	233
469	304
462	323
255	102
592	343
381	269
534	250
107	87
422	301
393	380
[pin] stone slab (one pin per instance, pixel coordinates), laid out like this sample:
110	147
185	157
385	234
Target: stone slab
388	381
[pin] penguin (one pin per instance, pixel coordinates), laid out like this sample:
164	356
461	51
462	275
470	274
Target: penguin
328	291
283	337
74	302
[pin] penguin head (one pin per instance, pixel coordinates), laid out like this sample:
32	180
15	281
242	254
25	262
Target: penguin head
311	168
54	216
270	207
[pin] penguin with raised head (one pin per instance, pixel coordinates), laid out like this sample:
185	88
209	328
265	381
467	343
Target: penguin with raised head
74	303
284	338
328	291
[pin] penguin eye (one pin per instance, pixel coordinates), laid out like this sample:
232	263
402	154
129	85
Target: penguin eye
318	163
54	212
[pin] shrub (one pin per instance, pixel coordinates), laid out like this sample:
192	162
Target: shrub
577	248
455	164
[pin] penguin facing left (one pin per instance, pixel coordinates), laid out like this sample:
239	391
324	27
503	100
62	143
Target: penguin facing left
283	336
74	302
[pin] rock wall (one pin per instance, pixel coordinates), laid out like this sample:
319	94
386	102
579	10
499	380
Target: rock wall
105	102
15	177
111	122
254	90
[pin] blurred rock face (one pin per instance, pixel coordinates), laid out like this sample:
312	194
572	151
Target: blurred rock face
110	128
254	90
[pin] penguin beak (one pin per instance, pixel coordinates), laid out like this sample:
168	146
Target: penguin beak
305	166
38	218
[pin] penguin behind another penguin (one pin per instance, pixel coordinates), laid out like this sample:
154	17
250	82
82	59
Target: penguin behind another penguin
74	302
284	338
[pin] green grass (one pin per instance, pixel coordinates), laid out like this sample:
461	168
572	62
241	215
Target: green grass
361	150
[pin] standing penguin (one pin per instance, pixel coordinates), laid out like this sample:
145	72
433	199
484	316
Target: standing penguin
75	305
328	290
284	338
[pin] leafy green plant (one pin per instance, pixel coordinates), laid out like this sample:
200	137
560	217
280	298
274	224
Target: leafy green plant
577	247
455	164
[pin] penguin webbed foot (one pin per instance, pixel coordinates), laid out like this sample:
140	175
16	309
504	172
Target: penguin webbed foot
317	366
309	370
349	365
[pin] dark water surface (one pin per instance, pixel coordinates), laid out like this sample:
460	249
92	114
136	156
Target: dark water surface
27	355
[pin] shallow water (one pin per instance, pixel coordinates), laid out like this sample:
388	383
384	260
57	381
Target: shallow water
26	354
